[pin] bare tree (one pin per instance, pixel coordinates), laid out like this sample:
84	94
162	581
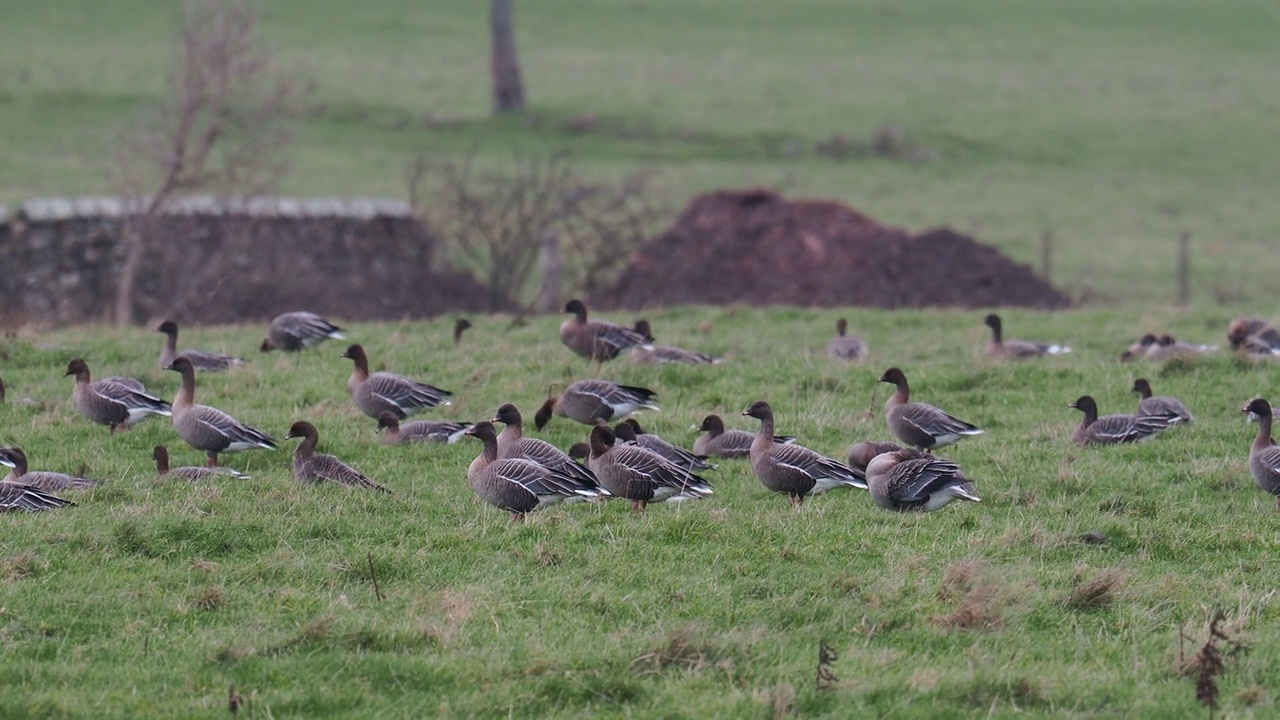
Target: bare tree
508	92
223	129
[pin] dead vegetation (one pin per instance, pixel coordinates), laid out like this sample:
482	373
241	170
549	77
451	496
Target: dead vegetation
1095	593
1209	663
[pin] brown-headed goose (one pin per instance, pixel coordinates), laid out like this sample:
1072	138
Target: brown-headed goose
1166	348
312	467
1253	335
460	326
15	458
20	497
521	486
580	452
111	402
906	480
629	430
843	347
1137	350
639	475
294	331
651	354
595	339
1264	455
397	433
794	470
381	392
719	442
998	347
593	402
513	444
1169	408
208	429
861	453
1111	429
201	359
161	455
921	425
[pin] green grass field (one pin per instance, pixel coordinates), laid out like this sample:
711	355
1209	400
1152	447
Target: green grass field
151	598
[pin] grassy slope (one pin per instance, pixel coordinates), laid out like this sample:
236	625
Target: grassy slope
151	598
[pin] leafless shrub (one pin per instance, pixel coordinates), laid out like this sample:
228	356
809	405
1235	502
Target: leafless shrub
1210	661
604	226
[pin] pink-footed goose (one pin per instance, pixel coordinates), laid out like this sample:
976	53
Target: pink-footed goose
640	475
1264	455
201	359
719	442
20	497
312	467
161	455
46	480
998	347
379	392
595	339
651	354
395	432
843	347
1112	429
518	485
629	430
118	403
294	331
794	470
208	429
921	425
594	402
905	480
1169	408
513	444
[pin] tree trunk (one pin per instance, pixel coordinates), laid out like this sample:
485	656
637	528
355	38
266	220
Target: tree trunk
508	93
134	235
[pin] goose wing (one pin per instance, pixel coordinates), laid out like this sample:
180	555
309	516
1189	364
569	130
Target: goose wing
22	497
127	398
912	482
330	468
446	432
213	423
408	395
55	481
933	421
308	327
656	470
1122	428
553	458
211	361
814	466
610	340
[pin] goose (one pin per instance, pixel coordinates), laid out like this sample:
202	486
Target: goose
1264	455
794	469
382	392
15	458
1253	335
593	402
1171	409
651	354
517	485
112	402
15	496
513	444
921	425
640	475
719	442
861	453
1166	347
460	326
843	347
580	452
1111	429
209	429
397	433
1017	349
202	360
294	331
630	431
595	339
161	455
905	480
312	467
1137	350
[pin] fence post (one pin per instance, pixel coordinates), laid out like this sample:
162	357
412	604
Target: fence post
1184	267
552	268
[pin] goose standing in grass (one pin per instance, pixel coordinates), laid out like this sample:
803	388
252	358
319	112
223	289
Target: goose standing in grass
595	339
208	429
20	497
593	402
630	431
312	467
518	485
794	470
202	360
294	331
15	458
397	433
460	326
998	347
843	347
1264	455
113	402
513	444
651	354
1112	429
640	475
161	455
1170	409
861	453
719	442
381	392
921	425
906	480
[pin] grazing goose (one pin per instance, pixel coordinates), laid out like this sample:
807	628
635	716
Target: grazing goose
595	339
161	455
209	429
580	452
112	402
460	326
513	444
912	480
1138	349
15	458
998	347
719	442
630	431
294	331
1264	455
202	360
1253	335
1111	429
843	347
651	354
310	466
1169	408
382	392
921	425
396	433
861	453
593	402
521	486
793	469
640	475
16	496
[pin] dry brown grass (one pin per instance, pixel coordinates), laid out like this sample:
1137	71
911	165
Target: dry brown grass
1095	593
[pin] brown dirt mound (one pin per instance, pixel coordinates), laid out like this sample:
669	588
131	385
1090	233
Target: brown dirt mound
755	247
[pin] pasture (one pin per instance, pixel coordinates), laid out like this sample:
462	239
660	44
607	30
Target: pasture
152	598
